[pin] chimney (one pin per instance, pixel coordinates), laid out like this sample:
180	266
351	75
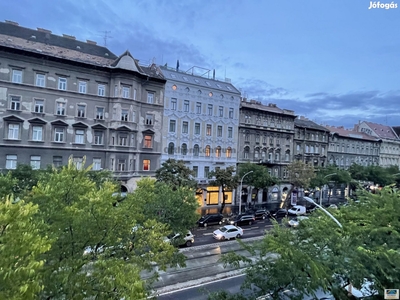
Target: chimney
12	23
69	36
91	42
43	30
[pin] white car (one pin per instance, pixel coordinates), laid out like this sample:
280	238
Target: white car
228	232
175	239
297	210
296	221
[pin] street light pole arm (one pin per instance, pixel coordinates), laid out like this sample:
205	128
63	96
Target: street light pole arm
324	210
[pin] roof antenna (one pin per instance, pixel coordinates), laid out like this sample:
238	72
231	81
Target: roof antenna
106	36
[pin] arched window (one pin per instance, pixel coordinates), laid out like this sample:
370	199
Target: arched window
287	155
246	152
229	152
208	151
277	156
184	149
264	154
196	150
256	153
171	148
218	152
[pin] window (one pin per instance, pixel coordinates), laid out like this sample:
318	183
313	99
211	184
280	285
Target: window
196	150
98	137
100	113
96	164
210	109
148	141
184	149
173	104
230	132
101	90
40	80
149	119
256	153
81	111
61	108
11	162
150	97
196	128
59	135
146	164
78	162
198	108
79	136
134	94
231	113
219	131
35	162
15	103
257	138
82	87
17	76
208	151
121	166
62	83
39	105
208	130
124	115
206	172
13	131
287	156
221	111
186	106
37	133
196	171
57	161
246	153
229	152
126	92
116	91
122	140
185	127
277	156
218	152
172	125
171	148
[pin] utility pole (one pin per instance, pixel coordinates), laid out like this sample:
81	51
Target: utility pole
106	36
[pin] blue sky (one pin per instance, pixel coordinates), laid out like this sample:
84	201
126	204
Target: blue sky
333	61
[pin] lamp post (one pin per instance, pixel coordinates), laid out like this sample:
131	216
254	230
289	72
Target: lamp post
320	198
323	209
240	191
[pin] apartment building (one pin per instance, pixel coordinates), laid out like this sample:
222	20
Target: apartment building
310	142
200	126
266	135
61	98
389	151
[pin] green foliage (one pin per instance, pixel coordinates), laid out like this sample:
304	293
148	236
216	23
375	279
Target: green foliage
21	246
120	241
7	185
377	174
300	173
226	179
259	178
176	174
329	174
321	255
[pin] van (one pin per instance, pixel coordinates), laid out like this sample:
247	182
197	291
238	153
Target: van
297	210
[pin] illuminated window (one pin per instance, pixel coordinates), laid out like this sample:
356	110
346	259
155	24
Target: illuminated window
148	141
218	152
146	165
208	151
229	152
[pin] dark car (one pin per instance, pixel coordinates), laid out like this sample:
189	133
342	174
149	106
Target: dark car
280	213
258	213
242	220
210	219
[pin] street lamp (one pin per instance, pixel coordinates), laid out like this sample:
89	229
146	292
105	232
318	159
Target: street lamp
320	198
323	209
240	191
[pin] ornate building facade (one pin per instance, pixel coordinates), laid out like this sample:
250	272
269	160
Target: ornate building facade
60	97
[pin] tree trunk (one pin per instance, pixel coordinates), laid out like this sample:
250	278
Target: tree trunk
285	203
223	201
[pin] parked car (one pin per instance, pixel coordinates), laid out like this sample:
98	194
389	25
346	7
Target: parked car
295	222
258	213
228	232
297	210
280	213
333	206
242	220
176	239
210	219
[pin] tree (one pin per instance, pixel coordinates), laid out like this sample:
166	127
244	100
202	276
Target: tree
307	258
259	178
7	185
21	246
226	179
176	174
98	250
300	175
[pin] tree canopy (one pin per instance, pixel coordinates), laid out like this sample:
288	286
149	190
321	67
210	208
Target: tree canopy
176	174
259	178
226	179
